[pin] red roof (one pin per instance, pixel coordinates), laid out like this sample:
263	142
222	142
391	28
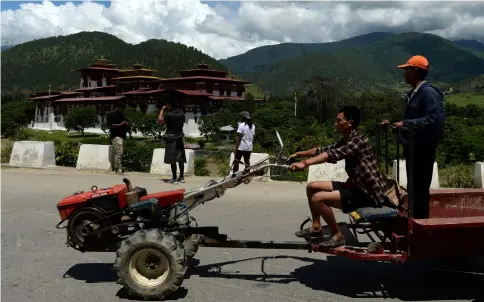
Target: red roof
194	92
101	98
185	92
95	88
46	97
232	98
135	92
98	69
204	78
203	69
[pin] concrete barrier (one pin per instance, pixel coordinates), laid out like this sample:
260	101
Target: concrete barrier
435	184
95	157
158	167
479	175
32	154
328	171
254	157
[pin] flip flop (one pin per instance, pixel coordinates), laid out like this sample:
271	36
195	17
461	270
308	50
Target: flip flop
333	242
309	232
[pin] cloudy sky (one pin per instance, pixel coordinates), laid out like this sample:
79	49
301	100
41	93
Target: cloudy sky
223	29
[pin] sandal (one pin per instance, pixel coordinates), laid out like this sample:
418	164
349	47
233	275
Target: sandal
333	242
309	232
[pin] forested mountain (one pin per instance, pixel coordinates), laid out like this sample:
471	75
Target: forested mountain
471	44
356	63
36	64
353	64
264	57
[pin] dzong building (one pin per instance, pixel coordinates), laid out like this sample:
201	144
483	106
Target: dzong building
200	90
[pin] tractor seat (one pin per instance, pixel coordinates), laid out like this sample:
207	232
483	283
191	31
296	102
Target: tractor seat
371	214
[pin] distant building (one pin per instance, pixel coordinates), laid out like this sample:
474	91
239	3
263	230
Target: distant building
200	91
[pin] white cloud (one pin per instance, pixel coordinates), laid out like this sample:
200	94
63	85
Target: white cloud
221	32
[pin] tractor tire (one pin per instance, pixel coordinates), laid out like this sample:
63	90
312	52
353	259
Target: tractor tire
151	264
192	243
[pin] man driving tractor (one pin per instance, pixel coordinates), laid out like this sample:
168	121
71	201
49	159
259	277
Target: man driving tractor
365	186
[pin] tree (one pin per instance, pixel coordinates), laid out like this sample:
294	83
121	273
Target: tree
320	99
207	126
135	120
148	126
81	118
16	115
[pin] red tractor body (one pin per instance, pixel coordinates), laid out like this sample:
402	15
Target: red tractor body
112	198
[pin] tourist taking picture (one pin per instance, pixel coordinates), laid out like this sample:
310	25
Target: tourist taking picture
173	117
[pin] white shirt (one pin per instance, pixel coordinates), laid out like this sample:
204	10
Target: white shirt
247	139
414	92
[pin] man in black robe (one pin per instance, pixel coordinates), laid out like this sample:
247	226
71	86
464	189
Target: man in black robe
174	118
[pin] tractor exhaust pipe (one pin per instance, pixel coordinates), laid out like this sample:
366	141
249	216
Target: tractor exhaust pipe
128	184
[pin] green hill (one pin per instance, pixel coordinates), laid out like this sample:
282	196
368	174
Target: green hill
469	91
356	64
36	64
265	57
473	45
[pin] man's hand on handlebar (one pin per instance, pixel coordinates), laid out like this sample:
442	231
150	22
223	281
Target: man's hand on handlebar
395	125
297	166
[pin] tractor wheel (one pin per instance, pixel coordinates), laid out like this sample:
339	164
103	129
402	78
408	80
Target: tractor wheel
151	264
192	243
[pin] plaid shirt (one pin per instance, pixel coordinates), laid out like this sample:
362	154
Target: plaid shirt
360	165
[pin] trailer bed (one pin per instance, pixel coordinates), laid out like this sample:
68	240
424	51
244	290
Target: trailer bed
455	228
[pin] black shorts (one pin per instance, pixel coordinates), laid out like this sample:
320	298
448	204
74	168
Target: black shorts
352	198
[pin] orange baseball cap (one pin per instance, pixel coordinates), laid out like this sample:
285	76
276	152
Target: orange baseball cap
416	61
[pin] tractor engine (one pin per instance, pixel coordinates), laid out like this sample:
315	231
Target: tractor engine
97	220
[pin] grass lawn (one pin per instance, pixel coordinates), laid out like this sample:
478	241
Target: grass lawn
462	99
42	135
60	135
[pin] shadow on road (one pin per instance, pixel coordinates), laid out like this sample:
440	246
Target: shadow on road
353	279
104	272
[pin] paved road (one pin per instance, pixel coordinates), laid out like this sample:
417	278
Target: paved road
37	265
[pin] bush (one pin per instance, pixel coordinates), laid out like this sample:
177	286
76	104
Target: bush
220	157
6	152
459	176
201	167
66	153
137	157
100	140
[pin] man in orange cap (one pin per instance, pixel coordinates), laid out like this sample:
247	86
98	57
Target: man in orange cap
425	112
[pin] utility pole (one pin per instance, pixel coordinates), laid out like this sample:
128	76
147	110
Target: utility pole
295	103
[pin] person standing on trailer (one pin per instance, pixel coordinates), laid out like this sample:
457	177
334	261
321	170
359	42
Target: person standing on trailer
244	142
174	120
425	112
118	126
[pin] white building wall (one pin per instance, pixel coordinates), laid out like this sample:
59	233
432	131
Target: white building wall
190	128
